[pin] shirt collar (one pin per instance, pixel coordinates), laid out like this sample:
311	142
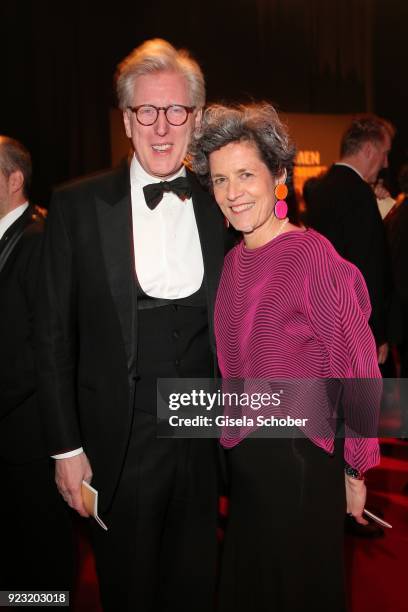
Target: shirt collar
139	176
7	221
352	168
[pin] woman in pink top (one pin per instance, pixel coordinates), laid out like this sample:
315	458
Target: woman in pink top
288	307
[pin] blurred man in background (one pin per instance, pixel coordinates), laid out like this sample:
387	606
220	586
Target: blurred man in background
35	527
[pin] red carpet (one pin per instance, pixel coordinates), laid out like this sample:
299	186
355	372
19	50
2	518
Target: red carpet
377	569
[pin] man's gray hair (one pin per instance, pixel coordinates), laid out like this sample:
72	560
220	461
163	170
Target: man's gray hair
365	128
256	123
14	156
153	56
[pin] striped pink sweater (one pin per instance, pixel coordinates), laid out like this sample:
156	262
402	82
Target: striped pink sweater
293	308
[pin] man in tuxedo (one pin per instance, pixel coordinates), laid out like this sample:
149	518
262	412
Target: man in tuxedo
35	526
342	206
132	259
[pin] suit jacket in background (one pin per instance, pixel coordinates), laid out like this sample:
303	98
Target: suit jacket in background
342	207
397	232
21	436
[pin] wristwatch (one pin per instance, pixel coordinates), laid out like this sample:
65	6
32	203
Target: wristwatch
353	472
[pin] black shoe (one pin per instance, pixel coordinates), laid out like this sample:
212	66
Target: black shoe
353	528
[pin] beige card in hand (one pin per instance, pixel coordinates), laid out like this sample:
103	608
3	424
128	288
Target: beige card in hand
90	499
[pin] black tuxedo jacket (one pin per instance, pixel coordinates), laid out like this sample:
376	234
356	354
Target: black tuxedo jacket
397	230
21	436
342	207
398	237
87	316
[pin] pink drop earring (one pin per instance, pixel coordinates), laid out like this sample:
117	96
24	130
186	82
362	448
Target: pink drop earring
281	208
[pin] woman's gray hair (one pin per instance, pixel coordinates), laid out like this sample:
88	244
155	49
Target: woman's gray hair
153	56
257	123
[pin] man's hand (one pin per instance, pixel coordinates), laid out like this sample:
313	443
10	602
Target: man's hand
69	474
380	191
382	353
356	493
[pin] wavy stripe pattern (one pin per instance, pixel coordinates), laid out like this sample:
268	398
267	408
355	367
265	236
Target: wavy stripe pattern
294	308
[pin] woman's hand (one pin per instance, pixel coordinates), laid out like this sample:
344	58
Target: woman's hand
356	493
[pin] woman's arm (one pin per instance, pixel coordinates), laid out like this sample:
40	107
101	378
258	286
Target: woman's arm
339	309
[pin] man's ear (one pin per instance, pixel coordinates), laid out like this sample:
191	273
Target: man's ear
126	122
16	182
367	149
197	119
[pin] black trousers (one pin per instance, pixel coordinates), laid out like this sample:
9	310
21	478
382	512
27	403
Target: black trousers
37	551
283	548
159	553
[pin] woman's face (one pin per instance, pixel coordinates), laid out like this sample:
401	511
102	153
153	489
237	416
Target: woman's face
244	190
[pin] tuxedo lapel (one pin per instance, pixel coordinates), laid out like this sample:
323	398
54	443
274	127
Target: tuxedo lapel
12	236
114	215
115	226
211	236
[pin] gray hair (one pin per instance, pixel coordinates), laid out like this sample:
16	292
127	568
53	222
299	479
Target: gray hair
256	123
365	128
158	55
14	156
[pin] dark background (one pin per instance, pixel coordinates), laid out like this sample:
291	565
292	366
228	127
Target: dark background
319	56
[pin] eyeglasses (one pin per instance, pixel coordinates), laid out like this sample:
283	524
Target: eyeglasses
176	114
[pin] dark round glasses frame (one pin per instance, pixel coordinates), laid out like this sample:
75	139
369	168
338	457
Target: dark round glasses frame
165	109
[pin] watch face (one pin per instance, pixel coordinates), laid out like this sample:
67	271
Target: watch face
354	473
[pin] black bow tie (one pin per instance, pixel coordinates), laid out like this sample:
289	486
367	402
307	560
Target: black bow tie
153	193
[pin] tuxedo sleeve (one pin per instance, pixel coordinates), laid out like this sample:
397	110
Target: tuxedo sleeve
365	246
56	333
17	376
399	252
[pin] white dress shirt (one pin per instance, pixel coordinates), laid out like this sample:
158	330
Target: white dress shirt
168	258
8	220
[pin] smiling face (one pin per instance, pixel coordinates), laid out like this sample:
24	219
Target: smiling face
244	190
160	148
